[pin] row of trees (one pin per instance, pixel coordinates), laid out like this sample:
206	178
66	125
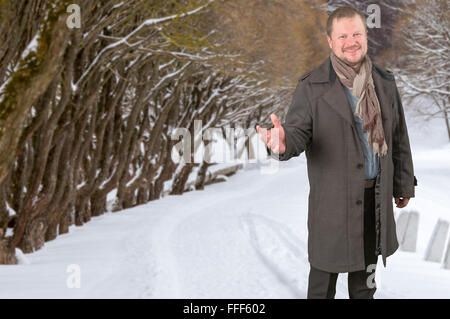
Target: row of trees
91	110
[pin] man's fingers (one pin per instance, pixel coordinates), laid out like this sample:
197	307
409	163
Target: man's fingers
275	121
276	149
266	135
263	134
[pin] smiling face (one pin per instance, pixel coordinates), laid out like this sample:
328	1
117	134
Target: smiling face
349	40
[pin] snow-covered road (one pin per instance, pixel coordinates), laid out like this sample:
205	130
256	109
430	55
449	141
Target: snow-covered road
245	238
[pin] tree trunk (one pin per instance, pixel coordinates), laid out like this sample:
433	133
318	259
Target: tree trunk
34	237
65	221
181	179
142	196
98	204
201	176
25	88
7	252
446	119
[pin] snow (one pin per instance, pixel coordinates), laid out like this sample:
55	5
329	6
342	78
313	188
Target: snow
117	5
137	174
21	257
11	211
243	238
9	232
79	186
32	46
111	195
73	86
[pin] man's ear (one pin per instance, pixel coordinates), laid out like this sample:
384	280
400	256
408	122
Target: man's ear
329	42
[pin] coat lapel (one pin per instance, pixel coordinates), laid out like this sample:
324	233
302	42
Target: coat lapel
335	96
337	99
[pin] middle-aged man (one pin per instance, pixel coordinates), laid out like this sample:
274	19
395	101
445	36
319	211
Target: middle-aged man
348	118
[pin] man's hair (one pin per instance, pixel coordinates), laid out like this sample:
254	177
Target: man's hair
343	12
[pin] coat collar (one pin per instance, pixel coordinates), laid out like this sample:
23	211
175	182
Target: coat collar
335	95
324	73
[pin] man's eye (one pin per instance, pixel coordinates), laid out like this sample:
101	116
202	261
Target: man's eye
357	34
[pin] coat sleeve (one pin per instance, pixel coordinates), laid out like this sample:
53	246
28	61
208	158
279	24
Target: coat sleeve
404	179
298	124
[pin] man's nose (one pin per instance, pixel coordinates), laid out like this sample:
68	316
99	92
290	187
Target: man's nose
351	43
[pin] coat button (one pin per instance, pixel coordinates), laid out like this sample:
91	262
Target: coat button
359	165
358	202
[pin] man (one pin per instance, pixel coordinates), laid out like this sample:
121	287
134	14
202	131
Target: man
348	118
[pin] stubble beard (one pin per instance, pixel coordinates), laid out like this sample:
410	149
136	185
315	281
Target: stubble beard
354	65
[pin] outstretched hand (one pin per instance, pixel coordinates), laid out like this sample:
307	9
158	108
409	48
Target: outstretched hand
274	138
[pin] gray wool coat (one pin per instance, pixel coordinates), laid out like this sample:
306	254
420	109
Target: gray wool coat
320	122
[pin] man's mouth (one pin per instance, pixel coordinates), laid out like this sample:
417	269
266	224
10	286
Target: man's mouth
352	51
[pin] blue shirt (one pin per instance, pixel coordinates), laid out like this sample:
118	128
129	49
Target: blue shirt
370	160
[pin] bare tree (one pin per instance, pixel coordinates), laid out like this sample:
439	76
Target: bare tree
422	66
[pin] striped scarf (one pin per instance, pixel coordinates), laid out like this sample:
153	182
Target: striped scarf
368	107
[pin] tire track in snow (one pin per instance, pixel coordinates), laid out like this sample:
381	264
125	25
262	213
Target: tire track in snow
158	272
141	263
279	249
136	271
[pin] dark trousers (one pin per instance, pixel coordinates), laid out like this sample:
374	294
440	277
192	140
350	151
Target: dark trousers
322	284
